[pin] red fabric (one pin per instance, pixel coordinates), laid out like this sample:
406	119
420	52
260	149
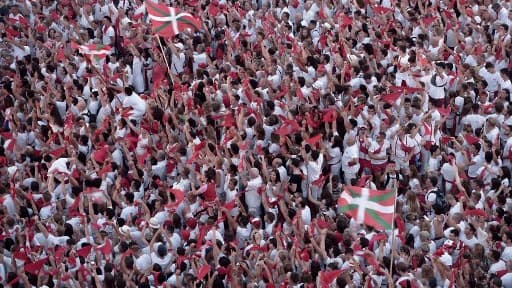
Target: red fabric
320	181
106	248
210	193
444	111
203	271
475	212
84	252
57	153
100	155
313	140
471	139
326	278
382	10
391	98
35	267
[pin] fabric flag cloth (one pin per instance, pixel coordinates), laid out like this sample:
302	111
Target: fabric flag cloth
57	153
371	207
35	267
106	248
96	50
471	139
313	140
326	278
168	21
287	128
85	251
391	98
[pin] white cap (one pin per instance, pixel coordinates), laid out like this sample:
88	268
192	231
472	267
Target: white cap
153	223
179	46
446	259
125	230
327	26
459	101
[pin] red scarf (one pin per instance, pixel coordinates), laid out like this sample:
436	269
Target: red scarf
362	148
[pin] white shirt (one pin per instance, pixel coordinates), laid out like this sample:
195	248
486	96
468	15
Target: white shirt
199	59
137	104
306	215
8	203
507	254
498	266
506	280
108	36
178	62
163	262
437	91
478	162
493	79
475	120
129	210
252	197
448	172
143	262
379	151
315	168
350	154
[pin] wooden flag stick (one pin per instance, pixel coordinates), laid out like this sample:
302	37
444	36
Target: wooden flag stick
163	54
393	234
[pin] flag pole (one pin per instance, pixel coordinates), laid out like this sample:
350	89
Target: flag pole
166	63
393	233
163	54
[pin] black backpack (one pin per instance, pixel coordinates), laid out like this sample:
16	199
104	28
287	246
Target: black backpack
440	204
433	81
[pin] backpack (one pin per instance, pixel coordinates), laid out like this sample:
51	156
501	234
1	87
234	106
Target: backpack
433	81
440	204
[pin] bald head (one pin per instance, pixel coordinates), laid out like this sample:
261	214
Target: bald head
254	173
351	140
277	162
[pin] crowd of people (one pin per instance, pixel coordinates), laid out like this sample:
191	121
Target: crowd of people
215	158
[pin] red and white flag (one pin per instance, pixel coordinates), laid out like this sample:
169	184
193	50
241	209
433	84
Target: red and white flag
97	50
168	21
371	207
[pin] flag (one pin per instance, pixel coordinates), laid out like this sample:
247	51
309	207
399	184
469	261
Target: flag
382	10
444	111
391	98
346	21
35	267
313	140
178	197
9	144
287	128
471	139
326	278
230	205
203	271
85	251
371	207
329	115
106	248
57	153
428	20
320	181
97	50
168	21
100	155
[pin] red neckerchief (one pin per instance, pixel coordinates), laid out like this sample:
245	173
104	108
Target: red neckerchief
377	151
362	148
